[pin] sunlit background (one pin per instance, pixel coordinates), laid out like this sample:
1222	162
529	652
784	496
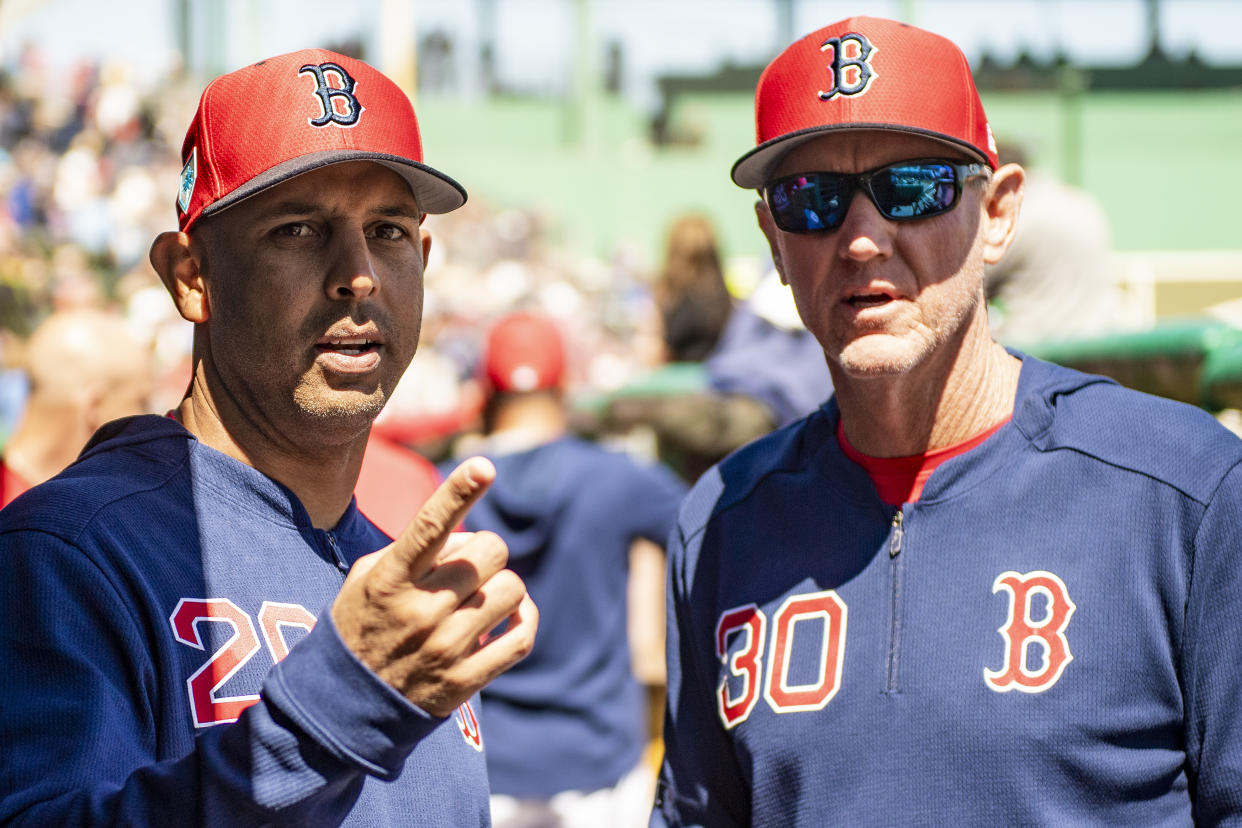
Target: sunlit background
582	128
555	103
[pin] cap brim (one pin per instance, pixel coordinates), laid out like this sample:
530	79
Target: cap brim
434	191
754	168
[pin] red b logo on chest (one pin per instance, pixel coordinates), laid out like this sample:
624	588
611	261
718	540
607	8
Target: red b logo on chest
1022	632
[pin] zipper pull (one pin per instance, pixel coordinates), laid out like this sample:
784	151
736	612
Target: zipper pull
336	553
894	541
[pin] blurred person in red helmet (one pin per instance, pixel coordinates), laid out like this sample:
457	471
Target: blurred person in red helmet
586	528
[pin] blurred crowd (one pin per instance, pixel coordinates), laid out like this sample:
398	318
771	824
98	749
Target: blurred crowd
89	168
89	165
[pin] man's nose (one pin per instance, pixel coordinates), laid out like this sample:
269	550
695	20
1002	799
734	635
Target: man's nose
353	275
867	233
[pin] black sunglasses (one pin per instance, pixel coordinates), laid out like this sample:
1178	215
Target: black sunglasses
816	202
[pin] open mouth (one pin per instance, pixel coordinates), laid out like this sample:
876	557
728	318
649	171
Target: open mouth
869	300
355	346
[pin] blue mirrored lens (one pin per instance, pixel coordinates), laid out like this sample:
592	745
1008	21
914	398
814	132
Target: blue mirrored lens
914	191
809	202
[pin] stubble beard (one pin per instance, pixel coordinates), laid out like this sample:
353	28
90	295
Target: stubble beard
866	358
352	407
873	355
339	405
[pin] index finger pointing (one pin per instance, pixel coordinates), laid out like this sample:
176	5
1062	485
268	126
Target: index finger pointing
426	534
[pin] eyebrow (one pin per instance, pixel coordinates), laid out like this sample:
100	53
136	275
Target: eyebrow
399	211
302	208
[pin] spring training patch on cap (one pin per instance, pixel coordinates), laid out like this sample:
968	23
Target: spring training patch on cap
189	175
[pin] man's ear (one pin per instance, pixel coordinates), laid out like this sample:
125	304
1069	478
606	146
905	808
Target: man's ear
1003	202
424	235
773	233
181	274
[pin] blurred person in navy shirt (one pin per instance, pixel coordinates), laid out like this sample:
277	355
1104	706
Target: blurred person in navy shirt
586	529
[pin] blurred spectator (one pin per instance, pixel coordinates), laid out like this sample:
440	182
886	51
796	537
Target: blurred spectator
766	353
585	528
147	310
86	179
84	369
436	64
690	291
760	367
1056	280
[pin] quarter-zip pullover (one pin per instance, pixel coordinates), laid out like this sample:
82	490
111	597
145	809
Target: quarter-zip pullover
171	659
1050	635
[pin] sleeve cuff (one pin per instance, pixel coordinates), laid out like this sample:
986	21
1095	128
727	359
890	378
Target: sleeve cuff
344	706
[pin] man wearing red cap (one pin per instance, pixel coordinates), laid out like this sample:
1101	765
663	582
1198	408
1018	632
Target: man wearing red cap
973	588
205	629
586	529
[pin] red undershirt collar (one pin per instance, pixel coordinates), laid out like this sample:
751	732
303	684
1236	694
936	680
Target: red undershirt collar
900	479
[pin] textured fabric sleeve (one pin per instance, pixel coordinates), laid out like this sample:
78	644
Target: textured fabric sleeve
1213	652
79	716
700	783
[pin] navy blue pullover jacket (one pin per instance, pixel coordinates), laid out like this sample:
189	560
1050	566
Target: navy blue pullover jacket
1051	635
162	665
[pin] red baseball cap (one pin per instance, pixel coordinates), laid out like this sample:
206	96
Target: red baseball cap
287	115
865	73
524	352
